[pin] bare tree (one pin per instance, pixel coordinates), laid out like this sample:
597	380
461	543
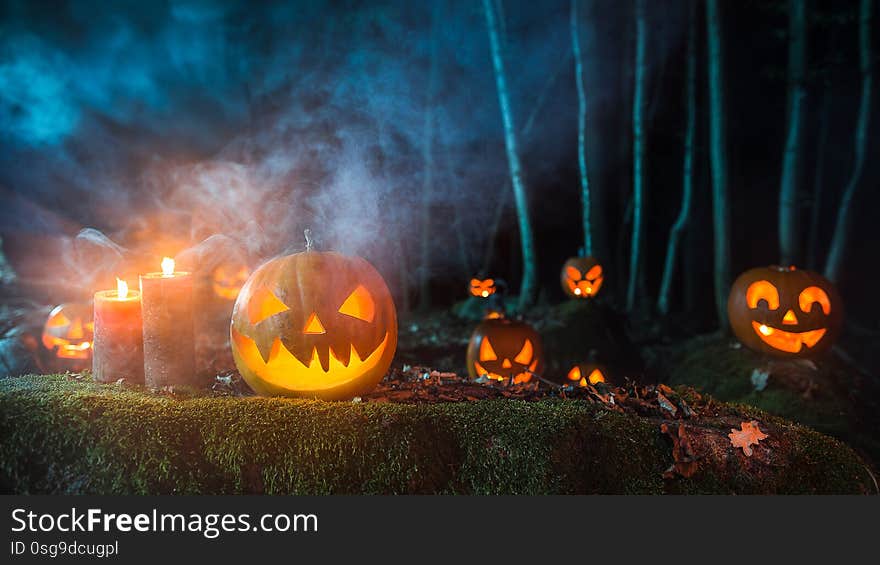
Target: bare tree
582	125
844	211
688	163
718	160
638	118
428	174
529	287
789	203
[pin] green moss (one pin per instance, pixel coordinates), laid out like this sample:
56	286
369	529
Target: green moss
725	373
66	436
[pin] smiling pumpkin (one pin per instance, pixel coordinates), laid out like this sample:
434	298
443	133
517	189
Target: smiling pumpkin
785	311
314	324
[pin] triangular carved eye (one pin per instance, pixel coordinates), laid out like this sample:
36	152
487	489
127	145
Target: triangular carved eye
263	305
486	351
359	304
594	273
58	320
573	273
524	357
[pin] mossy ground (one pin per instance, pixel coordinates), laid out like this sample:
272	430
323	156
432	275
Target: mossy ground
819	395
66	435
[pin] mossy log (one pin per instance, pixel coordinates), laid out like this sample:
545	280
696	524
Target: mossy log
65	435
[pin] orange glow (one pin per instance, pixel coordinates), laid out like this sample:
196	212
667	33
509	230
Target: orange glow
596	377
482	288
790	319
813	294
314	326
524	357
493	315
167	266
790	342
574	374
284	370
227	284
359	304
594	273
121	289
486	351
765	290
573	273
263	305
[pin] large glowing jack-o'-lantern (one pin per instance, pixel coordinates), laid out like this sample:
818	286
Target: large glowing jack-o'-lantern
586	373
67	337
505	350
582	277
314	324
482	288
784	311
228	279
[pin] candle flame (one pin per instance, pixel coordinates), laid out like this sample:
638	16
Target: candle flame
121	288
167	267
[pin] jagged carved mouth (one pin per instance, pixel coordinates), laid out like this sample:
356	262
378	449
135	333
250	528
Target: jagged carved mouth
283	369
521	377
790	342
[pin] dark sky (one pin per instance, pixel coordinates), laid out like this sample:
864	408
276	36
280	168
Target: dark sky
255	120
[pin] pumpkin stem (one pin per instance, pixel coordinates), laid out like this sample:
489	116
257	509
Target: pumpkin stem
309	242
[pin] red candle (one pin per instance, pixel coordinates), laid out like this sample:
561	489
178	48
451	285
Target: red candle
118	351
169	350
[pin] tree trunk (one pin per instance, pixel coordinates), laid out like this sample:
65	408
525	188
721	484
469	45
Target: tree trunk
818	180
638	116
582	124
687	166
528	288
428	174
503	202
789	204
844	211
718	161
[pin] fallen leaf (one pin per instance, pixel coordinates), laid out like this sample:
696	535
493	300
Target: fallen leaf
749	435
684	460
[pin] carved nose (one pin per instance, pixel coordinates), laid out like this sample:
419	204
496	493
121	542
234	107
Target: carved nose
314	326
506	364
789	319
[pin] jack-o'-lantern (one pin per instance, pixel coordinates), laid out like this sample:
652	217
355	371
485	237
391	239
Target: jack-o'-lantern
582	277
227	280
784	311
314	324
505	350
586	373
482	288
67	337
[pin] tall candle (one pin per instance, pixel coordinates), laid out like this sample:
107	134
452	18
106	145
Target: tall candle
167	302
118	351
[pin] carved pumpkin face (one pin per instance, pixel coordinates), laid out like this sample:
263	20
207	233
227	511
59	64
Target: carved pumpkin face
314	324
227	280
68	335
584	373
786	312
582	277
482	288
505	350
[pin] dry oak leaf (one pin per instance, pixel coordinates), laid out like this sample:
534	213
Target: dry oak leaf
749	435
